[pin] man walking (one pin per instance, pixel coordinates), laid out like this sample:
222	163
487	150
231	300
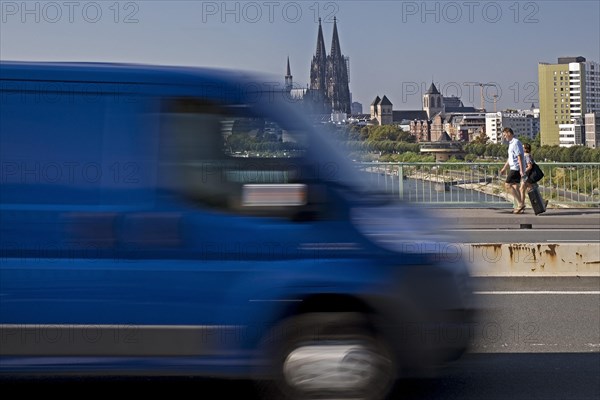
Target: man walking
516	171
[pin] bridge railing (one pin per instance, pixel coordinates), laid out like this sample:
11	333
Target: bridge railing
564	184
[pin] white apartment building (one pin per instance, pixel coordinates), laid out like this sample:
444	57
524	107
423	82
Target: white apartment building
584	88
570	134
522	122
584	98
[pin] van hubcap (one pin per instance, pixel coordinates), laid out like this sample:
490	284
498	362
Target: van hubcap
347	367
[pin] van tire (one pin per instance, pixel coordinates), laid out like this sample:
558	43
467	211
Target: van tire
365	359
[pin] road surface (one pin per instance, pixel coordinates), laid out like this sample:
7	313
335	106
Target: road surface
538	338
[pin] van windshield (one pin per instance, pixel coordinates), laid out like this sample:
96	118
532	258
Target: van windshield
335	167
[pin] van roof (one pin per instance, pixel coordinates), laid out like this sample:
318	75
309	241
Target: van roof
116	73
230	86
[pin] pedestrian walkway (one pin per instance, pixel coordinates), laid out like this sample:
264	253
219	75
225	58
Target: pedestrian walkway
503	218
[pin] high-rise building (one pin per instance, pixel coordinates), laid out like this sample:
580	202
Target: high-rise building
356	108
568	90
592	129
522	122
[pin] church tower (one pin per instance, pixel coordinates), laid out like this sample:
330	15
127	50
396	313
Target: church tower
318	66
338	90
329	78
385	111
289	83
433	102
375	108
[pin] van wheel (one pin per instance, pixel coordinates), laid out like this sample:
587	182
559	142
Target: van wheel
328	355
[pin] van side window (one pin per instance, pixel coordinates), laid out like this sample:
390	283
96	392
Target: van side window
228	158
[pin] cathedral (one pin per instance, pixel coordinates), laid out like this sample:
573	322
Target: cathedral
328	91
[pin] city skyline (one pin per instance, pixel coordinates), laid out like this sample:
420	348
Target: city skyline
395	48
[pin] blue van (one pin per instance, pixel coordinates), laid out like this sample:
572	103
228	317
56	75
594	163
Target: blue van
166	220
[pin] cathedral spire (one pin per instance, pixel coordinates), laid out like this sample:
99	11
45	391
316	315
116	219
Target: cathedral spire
335	41
288	77
318	68
329	76
321	53
338	91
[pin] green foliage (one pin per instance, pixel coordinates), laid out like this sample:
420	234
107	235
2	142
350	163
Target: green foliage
354	132
482	138
407	157
540	153
566	154
475	149
537	141
377	133
389	139
381	133
382	147
405	137
524	139
364	133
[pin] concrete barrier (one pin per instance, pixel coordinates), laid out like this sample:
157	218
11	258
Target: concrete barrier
537	259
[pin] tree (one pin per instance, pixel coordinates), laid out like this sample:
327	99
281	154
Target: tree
537	140
477	149
482	138
354	132
405	137
364	133
524	139
385	132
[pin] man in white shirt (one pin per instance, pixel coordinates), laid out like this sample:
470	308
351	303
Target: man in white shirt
516	171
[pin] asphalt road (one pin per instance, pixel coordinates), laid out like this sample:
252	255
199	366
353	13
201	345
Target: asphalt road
515	376
536	338
499	225
537	315
548	376
503	218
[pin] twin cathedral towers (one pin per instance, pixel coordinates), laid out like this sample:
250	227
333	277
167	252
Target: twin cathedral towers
329	91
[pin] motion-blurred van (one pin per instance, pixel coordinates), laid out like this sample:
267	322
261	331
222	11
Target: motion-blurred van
164	220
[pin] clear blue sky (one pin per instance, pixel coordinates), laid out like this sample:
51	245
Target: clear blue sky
396	48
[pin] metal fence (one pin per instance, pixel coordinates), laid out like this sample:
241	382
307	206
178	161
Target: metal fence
564	184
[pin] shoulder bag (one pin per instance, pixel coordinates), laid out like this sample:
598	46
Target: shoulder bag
536	173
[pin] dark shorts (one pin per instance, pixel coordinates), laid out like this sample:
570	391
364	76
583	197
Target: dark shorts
513	176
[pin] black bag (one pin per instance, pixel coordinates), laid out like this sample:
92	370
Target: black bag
536	173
